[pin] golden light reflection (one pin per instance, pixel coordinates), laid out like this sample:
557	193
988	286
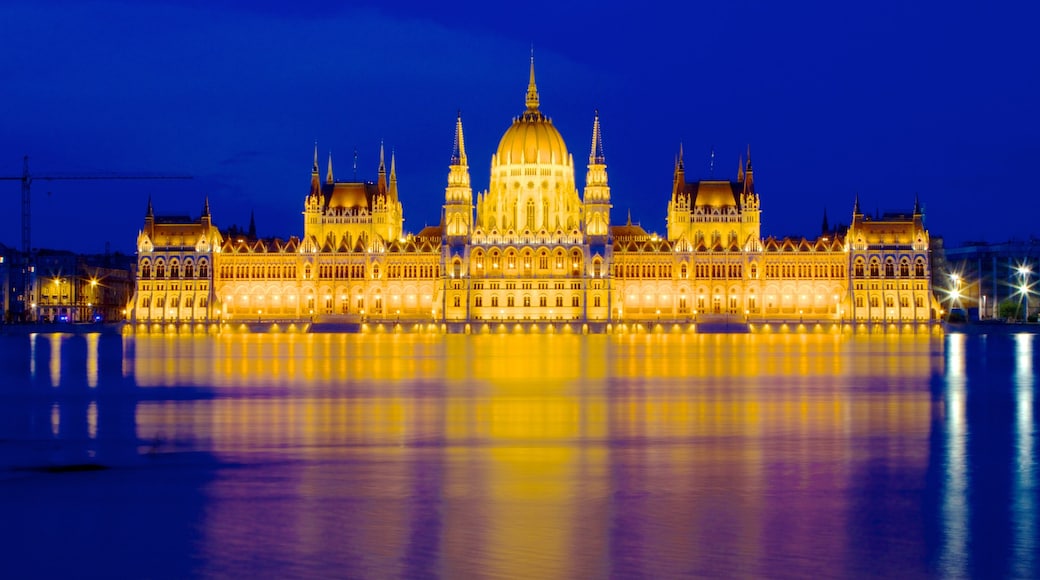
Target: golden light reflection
92	359
534	436
55	341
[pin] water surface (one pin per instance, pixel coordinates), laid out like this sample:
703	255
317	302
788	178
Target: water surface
548	456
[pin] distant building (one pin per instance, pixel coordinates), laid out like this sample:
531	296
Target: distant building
81	288
529	249
981	275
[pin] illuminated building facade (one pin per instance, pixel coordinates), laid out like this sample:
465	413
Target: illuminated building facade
531	250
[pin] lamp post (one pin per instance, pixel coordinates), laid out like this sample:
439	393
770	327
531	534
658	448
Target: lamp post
1024	271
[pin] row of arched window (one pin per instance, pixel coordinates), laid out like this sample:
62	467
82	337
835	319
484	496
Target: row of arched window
175	302
874	269
175	269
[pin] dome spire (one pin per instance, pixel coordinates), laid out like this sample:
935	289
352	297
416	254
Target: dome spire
532	89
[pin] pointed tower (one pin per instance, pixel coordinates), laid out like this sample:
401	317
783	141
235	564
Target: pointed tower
315	202
315	178
392	191
328	174
750	207
206	219
597	192
458	196
381	184
681	204
825	227
149	218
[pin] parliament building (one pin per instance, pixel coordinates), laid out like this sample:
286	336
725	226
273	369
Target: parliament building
530	252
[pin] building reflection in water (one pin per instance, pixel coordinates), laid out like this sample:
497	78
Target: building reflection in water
553	455
559	455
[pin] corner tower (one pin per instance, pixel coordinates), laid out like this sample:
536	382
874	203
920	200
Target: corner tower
458	196
597	192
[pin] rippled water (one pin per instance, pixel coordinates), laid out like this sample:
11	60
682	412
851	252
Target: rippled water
537	456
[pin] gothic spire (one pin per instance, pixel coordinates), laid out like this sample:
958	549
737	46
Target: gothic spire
205	207
596	156
252	225
680	166
855	207
149	213
315	169
825	227
382	170
749	158
458	148
328	175
917	205
532	89
740	169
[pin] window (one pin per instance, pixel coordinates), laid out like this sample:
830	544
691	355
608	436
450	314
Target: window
859	302
682	271
203	302
456	302
919	269
575	301
160	269
890	269
494	301
595	301
873	302
542	301
175	270
146	270
596	268
478	301
204	269
559	301
189	270
543	262
919	302
527	301
858	268
904	269
530	215
146	302
874	269
510	301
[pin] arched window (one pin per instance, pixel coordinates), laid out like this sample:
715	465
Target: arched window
189	269
530	215
175	269
919	268
858	268
754	270
874	268
203	269
160	269
456	268
146	269
904	268
682	271
890	269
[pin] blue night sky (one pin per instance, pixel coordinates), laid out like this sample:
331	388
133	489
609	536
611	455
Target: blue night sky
883	99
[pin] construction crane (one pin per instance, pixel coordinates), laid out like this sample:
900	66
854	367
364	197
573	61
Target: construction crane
27	178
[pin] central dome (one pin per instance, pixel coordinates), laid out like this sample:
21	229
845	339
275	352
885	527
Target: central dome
532	138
